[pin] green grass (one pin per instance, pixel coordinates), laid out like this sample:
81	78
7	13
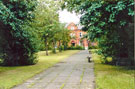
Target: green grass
11	76
62	86
112	77
82	75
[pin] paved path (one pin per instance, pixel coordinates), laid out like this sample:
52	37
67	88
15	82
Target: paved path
72	73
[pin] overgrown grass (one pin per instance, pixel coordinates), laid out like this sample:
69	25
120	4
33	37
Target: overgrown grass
112	77
11	76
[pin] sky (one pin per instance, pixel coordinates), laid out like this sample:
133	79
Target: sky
68	17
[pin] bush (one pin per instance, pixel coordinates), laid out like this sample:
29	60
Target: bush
22	52
19	45
1	61
76	48
71	48
93	47
79	47
53	50
61	48
41	46
65	47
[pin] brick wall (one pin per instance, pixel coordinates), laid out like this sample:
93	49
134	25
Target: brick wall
77	35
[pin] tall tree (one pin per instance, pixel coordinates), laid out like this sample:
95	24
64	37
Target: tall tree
47	22
18	47
63	37
110	23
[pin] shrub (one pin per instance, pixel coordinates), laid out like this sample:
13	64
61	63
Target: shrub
79	47
65	47
19	45
22	52
93	47
76	48
61	48
53	50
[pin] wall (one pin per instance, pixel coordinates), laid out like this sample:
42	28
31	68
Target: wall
76	39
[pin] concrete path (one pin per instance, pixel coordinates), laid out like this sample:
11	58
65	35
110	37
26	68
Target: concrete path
72	73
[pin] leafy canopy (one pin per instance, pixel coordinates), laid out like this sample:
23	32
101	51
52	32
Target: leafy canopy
108	22
18	47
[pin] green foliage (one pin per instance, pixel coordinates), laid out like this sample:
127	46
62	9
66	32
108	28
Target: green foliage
107	74
93	47
109	23
79	47
12	76
19	46
61	48
76	48
64	37
50	30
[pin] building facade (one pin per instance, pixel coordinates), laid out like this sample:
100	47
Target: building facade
77	36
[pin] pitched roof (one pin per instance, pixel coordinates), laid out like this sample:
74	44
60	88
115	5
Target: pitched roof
78	25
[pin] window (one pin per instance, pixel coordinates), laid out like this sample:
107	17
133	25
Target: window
80	34
72	35
79	43
72	28
73	44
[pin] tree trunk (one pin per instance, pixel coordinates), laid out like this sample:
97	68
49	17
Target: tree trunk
65	45
60	49
46	47
54	50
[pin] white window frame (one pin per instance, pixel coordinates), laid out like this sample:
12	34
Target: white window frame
81	35
72	28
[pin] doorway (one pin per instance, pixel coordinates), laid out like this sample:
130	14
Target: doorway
73	44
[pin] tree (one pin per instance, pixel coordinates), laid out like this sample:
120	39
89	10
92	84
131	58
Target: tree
108	22
64	37
18	47
47	22
46	35
61	36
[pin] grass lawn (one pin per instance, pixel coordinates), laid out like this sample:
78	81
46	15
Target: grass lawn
112	77
11	76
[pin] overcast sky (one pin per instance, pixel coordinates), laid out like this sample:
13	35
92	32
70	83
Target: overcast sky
67	17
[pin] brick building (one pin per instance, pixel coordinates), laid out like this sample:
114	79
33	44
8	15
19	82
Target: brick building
77	36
